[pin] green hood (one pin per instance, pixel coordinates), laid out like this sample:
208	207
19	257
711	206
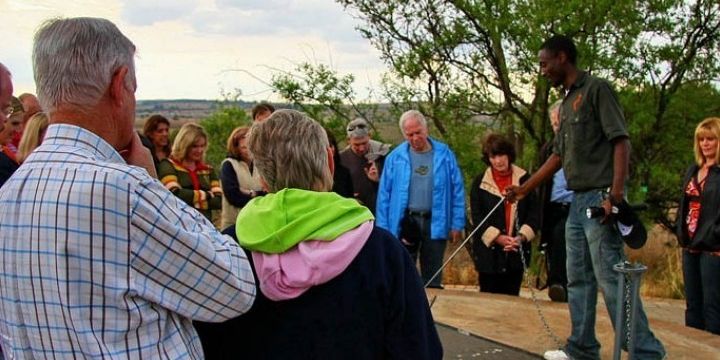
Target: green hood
276	222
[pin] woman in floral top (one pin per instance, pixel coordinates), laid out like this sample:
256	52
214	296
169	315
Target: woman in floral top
186	174
698	230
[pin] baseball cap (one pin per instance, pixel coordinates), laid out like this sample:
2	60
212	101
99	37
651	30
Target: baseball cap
358	128
632	230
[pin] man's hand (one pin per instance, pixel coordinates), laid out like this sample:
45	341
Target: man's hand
514	193
613	199
137	154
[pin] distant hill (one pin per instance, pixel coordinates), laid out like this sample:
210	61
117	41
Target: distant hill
183	109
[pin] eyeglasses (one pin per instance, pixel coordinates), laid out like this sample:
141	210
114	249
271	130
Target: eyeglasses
8	111
358	126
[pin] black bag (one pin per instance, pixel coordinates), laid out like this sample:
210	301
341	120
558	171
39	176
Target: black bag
410	232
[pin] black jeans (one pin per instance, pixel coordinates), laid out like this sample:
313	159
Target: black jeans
431	251
553	234
701	272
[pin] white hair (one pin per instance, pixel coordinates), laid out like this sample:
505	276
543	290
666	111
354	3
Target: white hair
74	61
412	114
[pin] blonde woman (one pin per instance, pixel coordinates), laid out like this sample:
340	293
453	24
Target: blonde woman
32	135
698	230
186	174
239	178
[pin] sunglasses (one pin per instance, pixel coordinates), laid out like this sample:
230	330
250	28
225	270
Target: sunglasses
358	126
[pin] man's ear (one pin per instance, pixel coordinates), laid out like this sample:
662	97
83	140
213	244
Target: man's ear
562	57
331	160
117	85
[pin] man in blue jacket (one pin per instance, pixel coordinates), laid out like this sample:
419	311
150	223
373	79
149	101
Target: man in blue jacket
422	188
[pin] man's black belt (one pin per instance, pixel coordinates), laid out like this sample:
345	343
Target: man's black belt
422	214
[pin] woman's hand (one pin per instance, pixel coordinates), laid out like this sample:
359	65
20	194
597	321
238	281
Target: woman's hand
508	243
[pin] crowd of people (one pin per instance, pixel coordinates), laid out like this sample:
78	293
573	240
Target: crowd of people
109	249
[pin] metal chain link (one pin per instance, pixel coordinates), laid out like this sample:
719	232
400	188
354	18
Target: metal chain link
548	330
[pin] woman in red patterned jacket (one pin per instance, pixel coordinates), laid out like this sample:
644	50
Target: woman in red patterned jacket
698	230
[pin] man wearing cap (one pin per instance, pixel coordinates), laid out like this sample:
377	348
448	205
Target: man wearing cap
359	151
421	187
592	146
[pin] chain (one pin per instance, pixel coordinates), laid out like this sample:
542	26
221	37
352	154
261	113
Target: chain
627	304
535	301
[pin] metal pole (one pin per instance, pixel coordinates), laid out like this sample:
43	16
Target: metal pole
617	350
634	273
634	300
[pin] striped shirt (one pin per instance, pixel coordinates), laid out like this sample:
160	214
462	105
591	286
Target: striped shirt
99	260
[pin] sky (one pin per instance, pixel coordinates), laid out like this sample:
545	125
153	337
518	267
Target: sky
201	49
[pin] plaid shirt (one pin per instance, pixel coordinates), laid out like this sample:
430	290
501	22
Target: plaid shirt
100	260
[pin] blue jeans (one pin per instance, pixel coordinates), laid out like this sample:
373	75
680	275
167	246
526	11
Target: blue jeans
432	252
592	250
701	272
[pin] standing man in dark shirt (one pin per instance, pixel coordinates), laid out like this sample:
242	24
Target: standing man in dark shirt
593	149
356	155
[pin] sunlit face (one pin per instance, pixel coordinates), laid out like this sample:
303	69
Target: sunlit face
242	148
359	145
500	163
196	152
15	122
555	120
550	67
708	147
416	134
160	137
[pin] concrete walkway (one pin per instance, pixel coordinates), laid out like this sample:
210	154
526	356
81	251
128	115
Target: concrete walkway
514	321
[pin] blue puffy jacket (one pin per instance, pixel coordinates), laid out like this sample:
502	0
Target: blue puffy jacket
448	209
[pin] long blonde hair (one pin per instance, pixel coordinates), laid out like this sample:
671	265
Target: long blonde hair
32	135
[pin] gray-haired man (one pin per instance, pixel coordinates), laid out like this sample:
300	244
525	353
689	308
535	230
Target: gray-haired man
422	185
99	260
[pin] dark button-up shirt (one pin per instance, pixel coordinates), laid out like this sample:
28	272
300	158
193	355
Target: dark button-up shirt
591	118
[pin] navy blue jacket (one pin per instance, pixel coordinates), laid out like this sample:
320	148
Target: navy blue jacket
375	309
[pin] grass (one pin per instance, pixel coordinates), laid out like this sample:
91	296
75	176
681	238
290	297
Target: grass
660	254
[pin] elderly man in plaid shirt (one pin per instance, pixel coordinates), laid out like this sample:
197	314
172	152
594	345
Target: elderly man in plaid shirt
98	259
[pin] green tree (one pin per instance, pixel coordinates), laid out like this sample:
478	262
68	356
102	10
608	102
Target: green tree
324	95
468	63
218	126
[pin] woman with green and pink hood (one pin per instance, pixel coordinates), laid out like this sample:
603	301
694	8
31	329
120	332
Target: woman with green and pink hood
332	285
